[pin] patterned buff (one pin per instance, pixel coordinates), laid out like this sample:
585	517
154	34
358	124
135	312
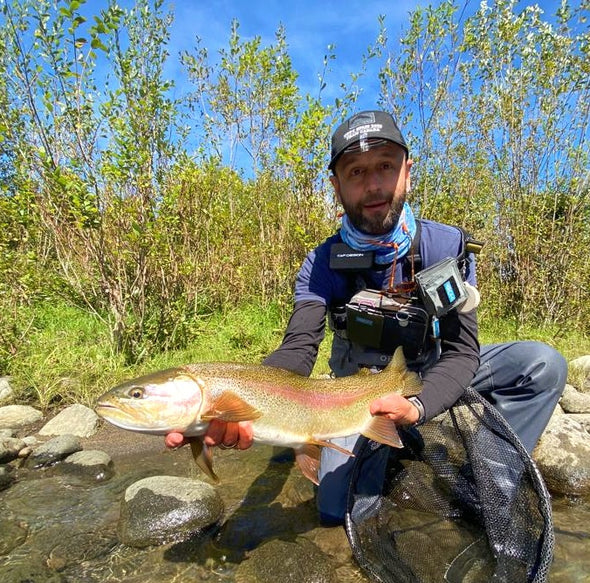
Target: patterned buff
388	247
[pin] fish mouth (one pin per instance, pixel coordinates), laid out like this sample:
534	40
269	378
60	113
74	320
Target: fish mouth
124	418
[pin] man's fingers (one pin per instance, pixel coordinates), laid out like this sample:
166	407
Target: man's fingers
174	439
231	435
215	433
396	408
379	406
246	435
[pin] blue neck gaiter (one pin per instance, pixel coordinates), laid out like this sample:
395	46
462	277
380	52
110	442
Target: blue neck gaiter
388	247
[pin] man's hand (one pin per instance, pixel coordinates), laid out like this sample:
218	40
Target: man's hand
396	408
228	435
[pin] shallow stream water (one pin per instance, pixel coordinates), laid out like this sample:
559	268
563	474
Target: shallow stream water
57	527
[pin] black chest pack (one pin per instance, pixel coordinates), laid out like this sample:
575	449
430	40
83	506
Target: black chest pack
405	314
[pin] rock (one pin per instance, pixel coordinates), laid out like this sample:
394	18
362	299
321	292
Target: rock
163	509
573	401
6	391
90	463
6	476
10	448
30	440
53	451
563	456
25	452
17	416
23	569
579	369
74	420
582	418
581	364
279	561
12	535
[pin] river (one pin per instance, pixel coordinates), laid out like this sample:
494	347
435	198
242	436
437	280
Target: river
63	528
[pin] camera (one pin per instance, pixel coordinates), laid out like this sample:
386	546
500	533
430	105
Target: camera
441	287
385	320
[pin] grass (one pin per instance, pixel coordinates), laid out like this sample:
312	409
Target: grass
67	357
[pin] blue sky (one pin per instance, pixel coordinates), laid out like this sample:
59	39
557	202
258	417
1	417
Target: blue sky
311	25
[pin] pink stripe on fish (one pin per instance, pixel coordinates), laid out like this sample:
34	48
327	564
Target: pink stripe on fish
329	400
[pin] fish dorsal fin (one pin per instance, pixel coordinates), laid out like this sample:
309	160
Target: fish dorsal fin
411	380
308	460
202	455
229	407
383	430
398	360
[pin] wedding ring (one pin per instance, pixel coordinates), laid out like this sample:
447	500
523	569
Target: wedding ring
233	446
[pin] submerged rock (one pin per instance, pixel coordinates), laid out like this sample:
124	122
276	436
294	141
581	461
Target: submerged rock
12	535
280	561
164	509
27	569
53	451
94	464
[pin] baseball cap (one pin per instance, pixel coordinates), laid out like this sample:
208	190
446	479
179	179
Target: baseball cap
363	130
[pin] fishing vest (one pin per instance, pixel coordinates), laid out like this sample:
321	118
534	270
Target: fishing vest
414	329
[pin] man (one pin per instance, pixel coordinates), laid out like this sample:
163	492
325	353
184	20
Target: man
371	179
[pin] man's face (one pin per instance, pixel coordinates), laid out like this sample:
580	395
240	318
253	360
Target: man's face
372	186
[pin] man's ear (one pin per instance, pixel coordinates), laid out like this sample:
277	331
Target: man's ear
408	185
336	185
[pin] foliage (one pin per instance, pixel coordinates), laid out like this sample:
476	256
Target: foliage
126	223
67	355
108	209
498	107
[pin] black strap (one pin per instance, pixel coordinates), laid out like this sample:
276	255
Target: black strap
414	254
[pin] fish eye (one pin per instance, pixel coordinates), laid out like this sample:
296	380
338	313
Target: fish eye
136	392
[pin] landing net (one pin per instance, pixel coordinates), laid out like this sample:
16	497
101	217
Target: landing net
463	502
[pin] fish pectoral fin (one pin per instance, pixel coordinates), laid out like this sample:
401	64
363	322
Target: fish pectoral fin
308	460
229	407
332	446
203	457
383	430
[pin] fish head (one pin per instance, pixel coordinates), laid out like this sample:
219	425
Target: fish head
161	402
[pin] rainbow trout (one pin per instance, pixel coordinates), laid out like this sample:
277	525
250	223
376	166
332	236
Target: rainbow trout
285	408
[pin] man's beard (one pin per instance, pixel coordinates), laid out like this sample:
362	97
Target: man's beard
373	225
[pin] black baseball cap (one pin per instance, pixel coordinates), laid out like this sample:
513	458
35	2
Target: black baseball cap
363	130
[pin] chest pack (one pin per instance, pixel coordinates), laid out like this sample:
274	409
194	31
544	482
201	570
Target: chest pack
406	314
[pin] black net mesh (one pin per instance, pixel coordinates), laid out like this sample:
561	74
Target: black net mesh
463	501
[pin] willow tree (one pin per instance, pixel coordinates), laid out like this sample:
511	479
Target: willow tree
497	107
91	152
